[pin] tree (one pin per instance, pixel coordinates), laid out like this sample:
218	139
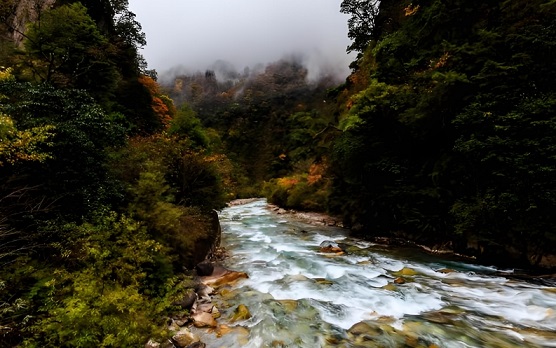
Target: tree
361	24
65	47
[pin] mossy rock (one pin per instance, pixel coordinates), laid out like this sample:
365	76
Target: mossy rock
241	313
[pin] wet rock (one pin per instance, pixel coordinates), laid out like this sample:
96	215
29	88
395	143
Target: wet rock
446	270
185	338
223	330
204	291
241	313
203	319
222	276
438	317
363	328
289	305
408	272
323	281
330	247
399	280
197	345
209	308
204	268
390	287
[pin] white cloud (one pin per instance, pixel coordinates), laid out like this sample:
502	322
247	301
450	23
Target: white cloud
194	33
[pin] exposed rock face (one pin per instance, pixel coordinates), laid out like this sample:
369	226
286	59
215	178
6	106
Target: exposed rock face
25	11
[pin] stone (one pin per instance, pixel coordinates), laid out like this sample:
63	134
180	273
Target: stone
229	277
390	287
187	299
184	338
180	323
197	345
152	344
330	247
203	319
241	313
204	291
204	268
399	280
215	313
323	281
408	271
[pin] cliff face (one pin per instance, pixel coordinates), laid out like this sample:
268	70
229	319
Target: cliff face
15	14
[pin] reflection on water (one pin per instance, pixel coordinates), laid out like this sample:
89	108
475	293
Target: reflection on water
369	296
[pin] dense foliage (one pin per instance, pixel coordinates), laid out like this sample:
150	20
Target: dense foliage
107	191
451	137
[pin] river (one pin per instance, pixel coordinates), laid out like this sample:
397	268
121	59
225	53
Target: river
370	296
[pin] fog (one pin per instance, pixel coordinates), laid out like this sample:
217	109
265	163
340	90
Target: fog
190	35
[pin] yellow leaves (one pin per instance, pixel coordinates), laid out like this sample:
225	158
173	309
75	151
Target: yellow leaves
6	74
287	182
411	10
26	145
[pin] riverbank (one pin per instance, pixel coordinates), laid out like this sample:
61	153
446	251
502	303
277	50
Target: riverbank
545	275
297	294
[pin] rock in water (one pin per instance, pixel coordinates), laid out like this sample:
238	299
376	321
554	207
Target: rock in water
241	313
329	246
226	278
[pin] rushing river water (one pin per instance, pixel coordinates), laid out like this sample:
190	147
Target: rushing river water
371	296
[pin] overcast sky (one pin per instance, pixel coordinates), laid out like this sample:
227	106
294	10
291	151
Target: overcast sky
192	34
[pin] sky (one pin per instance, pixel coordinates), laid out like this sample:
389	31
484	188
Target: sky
190	35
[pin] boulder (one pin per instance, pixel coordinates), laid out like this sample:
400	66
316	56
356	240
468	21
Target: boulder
203	319
185	338
204	268
399	280
330	247
187	299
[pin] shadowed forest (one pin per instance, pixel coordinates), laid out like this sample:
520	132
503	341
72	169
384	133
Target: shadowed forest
444	134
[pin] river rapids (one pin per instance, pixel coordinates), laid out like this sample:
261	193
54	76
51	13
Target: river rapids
369	296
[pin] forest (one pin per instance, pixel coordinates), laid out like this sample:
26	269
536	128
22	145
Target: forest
444	134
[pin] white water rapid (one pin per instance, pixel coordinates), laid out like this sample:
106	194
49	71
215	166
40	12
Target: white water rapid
370	296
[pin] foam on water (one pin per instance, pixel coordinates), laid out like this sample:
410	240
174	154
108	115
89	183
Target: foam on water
283	261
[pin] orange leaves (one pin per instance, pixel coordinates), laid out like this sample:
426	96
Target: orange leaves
441	61
162	106
316	172
410	10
